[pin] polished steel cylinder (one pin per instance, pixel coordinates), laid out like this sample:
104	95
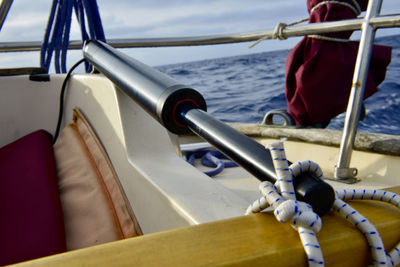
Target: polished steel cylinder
160	95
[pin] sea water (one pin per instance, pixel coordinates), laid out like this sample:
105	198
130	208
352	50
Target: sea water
244	88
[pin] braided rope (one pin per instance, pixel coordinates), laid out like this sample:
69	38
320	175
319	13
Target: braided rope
282	199
56	38
355	7
327	38
372	235
279	34
210	158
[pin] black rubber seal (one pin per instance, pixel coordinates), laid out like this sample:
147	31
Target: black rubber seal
172	101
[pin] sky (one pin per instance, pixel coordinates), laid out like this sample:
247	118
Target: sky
160	18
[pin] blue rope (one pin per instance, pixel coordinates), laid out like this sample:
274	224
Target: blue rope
56	38
59	38
210	158
67	30
80	15
93	13
45	44
89	16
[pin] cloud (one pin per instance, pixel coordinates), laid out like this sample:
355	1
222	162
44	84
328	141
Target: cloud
159	18
197	17
26	21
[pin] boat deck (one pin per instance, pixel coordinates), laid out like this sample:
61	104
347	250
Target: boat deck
375	170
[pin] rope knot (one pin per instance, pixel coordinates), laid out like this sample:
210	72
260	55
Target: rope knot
278	31
281	197
300	214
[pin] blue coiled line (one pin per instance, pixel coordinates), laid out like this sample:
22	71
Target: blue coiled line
210	158
56	38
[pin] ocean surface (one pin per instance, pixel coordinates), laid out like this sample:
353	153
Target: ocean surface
244	88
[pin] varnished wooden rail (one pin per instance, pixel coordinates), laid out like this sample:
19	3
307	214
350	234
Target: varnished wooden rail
254	240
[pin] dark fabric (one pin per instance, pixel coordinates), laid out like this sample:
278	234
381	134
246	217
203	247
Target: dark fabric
31	224
319	73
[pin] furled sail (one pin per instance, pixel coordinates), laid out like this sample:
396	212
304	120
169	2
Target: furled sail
319	69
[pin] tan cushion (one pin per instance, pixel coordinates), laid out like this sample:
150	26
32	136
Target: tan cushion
95	207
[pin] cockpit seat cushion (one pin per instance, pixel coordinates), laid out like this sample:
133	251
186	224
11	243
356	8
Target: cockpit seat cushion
31	223
95	207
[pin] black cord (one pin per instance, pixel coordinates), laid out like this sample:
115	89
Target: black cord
62	93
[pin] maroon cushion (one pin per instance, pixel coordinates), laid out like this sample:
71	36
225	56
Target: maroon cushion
31	223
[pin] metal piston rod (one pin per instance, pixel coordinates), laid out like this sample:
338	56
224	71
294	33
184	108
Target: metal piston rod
181	109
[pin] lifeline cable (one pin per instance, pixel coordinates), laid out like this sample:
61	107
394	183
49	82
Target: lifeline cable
280	27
